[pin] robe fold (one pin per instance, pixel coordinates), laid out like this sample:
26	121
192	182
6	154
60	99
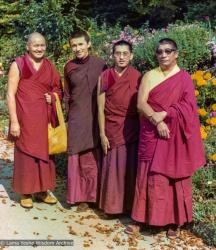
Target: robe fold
184	150
163	193
80	81
32	109
122	130
121	123
34	170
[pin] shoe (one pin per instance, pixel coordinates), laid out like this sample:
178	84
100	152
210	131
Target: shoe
133	229
26	201
172	233
82	207
45	197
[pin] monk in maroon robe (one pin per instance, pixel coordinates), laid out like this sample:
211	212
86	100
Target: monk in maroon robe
81	76
119	130
170	147
31	82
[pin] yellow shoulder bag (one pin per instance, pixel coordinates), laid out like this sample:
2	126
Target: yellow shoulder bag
57	137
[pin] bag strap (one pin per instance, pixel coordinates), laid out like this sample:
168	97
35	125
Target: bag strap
59	109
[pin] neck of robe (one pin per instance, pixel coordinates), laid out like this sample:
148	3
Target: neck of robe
81	61
36	63
169	72
120	71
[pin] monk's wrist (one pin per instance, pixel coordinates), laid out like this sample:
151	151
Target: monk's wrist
102	135
151	119
149	116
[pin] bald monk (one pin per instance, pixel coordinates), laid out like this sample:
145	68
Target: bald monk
32	79
170	147
119	130
81	77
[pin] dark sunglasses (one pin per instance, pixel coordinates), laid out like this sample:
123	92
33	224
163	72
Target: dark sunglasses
167	51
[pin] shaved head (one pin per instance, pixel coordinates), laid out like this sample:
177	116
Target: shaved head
35	36
36	46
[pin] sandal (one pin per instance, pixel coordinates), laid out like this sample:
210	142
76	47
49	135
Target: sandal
133	229
172	233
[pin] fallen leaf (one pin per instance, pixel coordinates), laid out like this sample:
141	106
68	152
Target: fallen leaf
49	237
4	201
71	231
110	246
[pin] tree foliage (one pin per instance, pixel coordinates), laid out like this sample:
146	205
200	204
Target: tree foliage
8	15
54	18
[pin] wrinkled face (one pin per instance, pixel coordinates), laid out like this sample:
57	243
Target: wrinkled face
166	55
36	47
122	56
80	47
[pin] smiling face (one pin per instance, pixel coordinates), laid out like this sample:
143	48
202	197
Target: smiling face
80	47
36	47
166	55
122	56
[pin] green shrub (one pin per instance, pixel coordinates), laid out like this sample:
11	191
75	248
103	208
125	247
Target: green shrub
192	44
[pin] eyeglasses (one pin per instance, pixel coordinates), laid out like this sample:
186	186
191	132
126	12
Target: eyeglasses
166	51
123	54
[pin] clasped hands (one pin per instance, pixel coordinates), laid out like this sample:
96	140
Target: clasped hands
157	119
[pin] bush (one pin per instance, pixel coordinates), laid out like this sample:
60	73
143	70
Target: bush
192	44
48	18
191	40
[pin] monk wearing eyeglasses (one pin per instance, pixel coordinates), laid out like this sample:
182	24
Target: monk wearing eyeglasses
119	130
170	146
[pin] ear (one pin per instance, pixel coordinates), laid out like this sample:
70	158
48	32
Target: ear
89	44
131	57
27	47
176	54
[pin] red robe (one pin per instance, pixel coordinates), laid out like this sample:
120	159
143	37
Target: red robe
122	130
184	150
32	110
163	193
34	171
121	123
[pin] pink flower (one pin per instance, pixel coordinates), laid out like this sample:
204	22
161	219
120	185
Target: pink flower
206	18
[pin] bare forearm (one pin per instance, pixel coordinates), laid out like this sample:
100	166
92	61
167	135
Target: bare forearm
145	109
101	121
12	108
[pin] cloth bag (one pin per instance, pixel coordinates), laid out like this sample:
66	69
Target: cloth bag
57	137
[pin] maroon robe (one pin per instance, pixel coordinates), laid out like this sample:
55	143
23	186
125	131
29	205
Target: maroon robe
33	115
81	77
122	130
121	123
163	184
80	95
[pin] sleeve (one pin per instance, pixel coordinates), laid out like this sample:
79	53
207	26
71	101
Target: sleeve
104	81
66	92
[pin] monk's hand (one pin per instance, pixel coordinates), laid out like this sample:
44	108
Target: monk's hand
15	129
48	98
105	144
157	117
163	130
